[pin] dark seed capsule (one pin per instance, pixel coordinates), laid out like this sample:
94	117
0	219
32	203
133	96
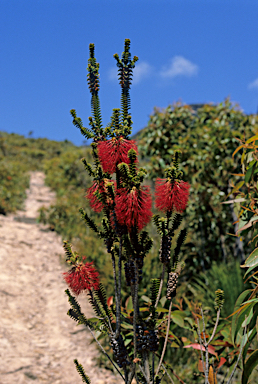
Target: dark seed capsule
172	284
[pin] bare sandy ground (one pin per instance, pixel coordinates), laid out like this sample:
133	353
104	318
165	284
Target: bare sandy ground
38	341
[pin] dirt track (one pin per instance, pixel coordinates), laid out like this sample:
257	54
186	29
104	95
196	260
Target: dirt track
38	341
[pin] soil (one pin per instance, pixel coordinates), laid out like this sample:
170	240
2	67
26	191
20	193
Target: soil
38	341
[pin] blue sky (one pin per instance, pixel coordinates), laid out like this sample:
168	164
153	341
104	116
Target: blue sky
190	50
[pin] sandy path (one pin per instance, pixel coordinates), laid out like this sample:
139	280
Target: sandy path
38	341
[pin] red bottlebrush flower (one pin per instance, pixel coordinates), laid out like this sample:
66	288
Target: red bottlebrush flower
82	277
171	196
114	151
133	208
100	187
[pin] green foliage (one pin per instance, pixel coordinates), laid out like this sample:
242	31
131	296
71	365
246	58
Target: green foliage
246	307
18	156
14	180
227	277
81	372
76	313
207	137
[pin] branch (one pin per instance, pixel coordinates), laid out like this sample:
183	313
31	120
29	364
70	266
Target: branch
239	356
119	288
201	343
102	349
160	286
215	327
166	338
163	366
206	372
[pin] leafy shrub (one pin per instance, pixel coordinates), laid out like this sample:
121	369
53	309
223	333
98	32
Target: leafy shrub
13	183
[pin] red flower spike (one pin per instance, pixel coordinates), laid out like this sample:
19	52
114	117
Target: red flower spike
133	208
82	277
171	196
100	187
113	152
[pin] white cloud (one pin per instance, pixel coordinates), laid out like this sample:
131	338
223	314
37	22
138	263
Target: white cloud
254	84
179	66
112	73
140	71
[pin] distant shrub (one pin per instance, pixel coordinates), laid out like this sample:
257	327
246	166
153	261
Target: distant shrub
13	183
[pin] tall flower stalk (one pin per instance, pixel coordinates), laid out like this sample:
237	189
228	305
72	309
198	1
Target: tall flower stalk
118	192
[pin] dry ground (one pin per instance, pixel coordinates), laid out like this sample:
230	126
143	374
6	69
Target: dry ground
38	341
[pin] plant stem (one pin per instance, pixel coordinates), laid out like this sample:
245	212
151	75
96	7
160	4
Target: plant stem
146	365
135	306
153	367
206	351
200	342
102	349
160	285
115	279
163	366
166	338
118	307
215	327
239	356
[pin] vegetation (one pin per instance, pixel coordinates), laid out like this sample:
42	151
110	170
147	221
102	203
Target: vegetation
134	327
207	136
18	156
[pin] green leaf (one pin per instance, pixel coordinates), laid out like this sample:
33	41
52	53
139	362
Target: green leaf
249	173
239	301
160	309
127	326
146	299
249	270
178	318
129	304
250	364
238	186
250	339
127	341
253	138
252	259
241	317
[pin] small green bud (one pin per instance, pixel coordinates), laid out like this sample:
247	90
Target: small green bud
219	299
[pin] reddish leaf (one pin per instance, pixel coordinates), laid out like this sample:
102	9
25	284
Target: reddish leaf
200	366
110	301
221	362
211	349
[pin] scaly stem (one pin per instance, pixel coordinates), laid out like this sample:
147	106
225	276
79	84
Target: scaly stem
115	279
118	308
135	306
166	338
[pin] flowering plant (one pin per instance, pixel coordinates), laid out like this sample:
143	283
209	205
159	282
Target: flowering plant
118	192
